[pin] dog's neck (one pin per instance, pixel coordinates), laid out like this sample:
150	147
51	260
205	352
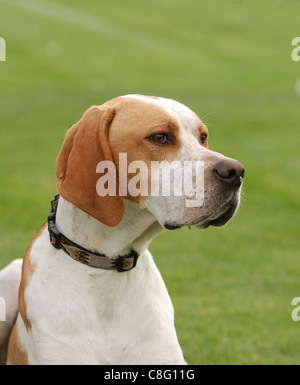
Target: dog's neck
136	230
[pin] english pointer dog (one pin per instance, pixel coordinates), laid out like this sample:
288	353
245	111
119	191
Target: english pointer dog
88	290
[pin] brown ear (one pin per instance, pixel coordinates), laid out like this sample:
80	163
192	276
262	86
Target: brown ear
86	144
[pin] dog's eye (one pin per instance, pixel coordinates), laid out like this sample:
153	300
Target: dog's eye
203	139
160	138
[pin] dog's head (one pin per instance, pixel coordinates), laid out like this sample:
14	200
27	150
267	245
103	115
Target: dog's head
155	152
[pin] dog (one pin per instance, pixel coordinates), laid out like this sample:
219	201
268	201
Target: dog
90	292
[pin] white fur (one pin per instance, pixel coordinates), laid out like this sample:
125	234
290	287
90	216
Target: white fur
9	286
83	315
173	209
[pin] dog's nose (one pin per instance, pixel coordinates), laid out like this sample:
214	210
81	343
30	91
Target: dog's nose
230	171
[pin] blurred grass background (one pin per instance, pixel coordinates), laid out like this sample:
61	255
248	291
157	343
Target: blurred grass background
230	61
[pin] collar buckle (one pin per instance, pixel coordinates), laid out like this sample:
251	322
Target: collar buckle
54	233
128	262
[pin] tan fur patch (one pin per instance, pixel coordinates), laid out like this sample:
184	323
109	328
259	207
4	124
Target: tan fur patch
134	122
119	125
16	355
85	145
28	269
148	96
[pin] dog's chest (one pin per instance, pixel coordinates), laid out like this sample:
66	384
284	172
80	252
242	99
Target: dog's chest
82	315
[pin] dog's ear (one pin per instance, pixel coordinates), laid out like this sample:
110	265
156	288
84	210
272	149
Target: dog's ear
86	144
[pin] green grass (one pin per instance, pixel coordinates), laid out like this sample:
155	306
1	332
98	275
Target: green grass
229	61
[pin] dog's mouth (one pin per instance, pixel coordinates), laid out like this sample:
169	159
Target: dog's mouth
221	218
218	219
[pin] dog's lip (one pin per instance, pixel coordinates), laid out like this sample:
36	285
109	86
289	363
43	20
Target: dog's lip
218	219
221	218
171	226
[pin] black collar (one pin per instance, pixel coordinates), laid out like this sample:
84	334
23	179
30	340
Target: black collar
87	257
